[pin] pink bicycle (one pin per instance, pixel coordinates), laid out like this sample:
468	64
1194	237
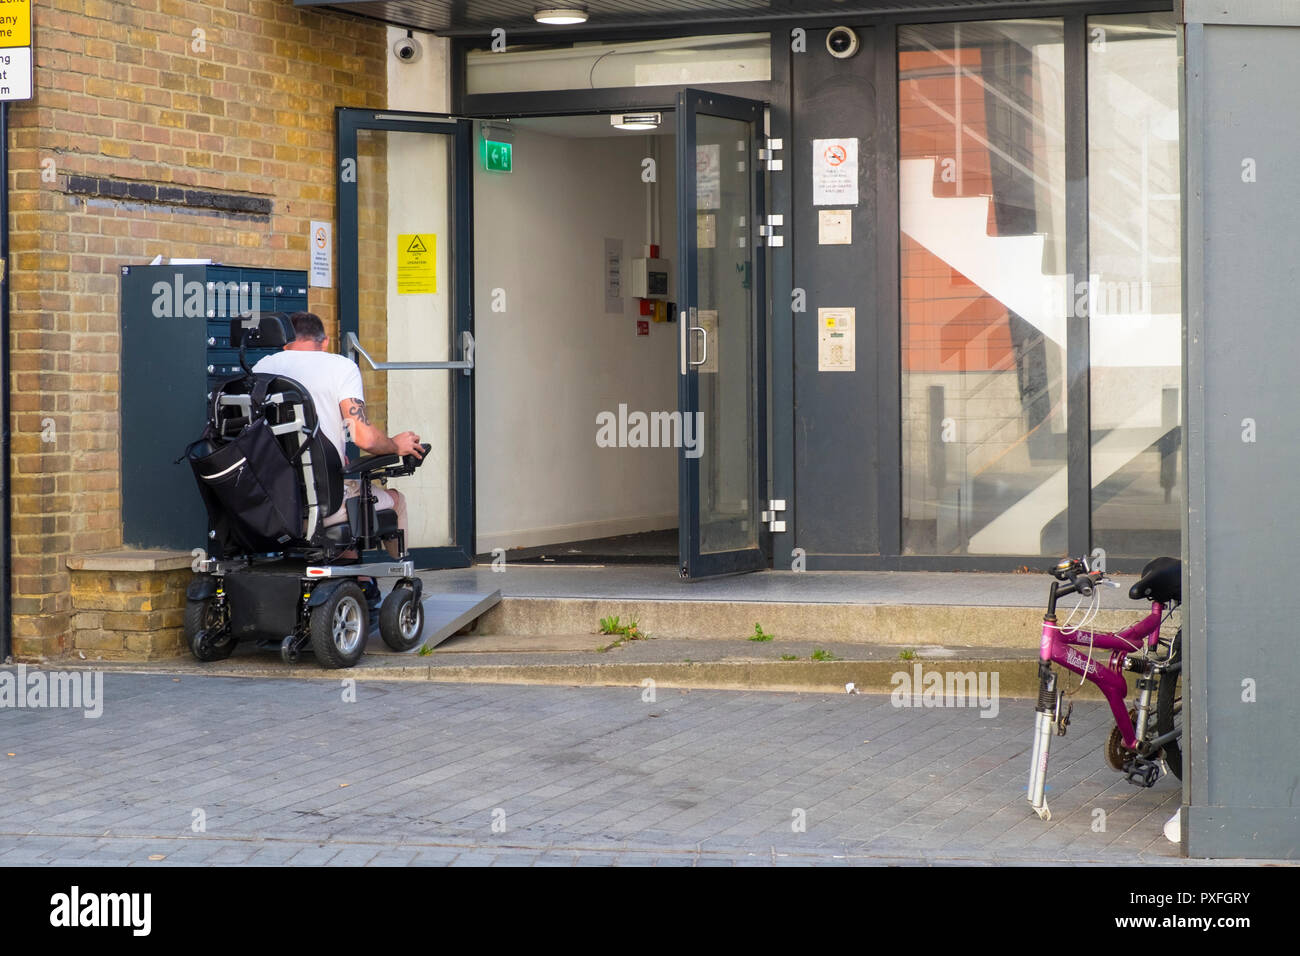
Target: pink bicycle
1144	743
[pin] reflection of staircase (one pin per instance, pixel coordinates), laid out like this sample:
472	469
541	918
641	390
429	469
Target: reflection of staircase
1007	511
1019	528
955	230
1010	269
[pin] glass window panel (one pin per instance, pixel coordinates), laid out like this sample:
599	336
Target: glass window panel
404	188
688	61
982	257
725	347
1135	293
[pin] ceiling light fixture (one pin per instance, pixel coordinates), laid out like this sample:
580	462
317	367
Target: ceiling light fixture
635	120
561	16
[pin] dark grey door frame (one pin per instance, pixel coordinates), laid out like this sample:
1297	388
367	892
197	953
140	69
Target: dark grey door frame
349	122
694	563
778	92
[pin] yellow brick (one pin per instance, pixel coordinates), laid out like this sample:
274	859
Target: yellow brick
99	641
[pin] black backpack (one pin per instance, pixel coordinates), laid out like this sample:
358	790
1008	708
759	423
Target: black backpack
251	485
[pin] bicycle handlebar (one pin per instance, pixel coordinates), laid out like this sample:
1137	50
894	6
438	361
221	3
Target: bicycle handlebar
1079	583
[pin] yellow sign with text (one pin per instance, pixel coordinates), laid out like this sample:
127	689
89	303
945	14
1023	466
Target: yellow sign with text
15	23
417	263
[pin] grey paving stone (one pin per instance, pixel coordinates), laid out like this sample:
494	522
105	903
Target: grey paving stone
584	776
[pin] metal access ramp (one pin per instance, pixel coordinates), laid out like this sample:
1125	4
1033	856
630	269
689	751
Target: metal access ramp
444	615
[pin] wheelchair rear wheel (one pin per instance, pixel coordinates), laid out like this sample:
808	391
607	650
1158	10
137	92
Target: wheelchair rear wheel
401	619
339	626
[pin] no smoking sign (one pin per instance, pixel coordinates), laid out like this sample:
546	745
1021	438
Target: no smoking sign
835	172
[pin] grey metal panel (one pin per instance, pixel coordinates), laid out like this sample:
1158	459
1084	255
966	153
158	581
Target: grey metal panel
164	398
836	461
1279	13
1242	342
1250	832
469	16
165	385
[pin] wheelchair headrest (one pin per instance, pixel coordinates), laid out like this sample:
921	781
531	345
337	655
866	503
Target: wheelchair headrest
272	330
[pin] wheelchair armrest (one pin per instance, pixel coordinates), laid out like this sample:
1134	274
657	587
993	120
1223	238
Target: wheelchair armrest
392	466
370	464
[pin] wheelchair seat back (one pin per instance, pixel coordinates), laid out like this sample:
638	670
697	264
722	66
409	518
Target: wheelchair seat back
267	475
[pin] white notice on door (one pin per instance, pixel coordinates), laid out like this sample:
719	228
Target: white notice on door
834	227
835	348
835	172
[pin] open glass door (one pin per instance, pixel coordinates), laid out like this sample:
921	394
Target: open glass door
721	299
405	306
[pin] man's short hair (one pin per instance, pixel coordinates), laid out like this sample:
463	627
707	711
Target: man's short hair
307	327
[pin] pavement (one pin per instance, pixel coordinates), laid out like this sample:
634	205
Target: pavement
184	769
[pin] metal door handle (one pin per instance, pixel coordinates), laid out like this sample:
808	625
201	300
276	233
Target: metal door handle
466	365
704	352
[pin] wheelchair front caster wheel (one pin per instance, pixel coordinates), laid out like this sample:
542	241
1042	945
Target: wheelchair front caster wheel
288	653
1043	814
207	630
401	619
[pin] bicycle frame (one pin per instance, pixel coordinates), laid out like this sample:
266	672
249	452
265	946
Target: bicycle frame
1058	647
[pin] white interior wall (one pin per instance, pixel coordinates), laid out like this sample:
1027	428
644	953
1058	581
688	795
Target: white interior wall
554	359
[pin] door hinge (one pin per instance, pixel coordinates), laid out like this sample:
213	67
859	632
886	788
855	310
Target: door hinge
775	506
766	155
768	230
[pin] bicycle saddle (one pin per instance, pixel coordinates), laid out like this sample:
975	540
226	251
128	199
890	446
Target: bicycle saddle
1162	580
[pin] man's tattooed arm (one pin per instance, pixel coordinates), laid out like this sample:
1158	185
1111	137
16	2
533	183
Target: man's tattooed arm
357	428
357	410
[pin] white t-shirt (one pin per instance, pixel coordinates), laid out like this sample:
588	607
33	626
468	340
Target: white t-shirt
329	377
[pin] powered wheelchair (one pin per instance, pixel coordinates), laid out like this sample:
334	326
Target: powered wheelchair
273	571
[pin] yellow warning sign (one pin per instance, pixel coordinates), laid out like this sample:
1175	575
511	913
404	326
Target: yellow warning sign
417	263
15	23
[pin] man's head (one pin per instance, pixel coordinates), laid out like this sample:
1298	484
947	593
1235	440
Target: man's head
309	333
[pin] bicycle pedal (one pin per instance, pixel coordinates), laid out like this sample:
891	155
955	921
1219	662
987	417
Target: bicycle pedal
1141	772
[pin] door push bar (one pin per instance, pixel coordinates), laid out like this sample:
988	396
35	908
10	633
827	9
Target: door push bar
466	348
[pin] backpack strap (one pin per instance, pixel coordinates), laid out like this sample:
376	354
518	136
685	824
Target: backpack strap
261	385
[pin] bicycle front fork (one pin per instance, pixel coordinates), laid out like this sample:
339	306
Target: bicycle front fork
1044	718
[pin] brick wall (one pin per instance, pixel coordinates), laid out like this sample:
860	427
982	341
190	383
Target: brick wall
225	99
128	616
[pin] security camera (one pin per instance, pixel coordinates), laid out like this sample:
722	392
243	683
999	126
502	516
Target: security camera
842	43
407	49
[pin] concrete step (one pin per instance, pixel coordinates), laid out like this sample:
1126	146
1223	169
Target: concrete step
907	625
669	664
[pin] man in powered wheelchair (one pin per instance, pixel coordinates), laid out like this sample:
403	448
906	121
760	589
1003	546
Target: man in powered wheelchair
283	537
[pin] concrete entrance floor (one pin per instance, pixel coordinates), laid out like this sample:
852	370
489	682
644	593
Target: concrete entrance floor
560	608
658	583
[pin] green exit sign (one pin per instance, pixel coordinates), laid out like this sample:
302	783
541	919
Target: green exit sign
497	157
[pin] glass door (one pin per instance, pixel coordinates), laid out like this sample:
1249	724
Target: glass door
405	307
721	299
